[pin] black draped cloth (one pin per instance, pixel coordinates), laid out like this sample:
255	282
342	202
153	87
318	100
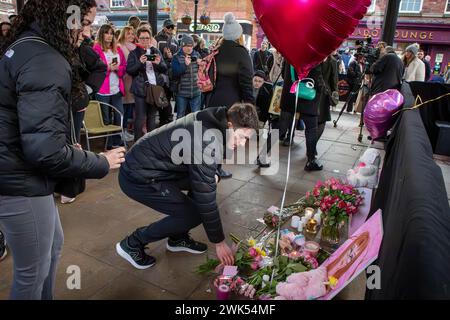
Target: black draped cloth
434	111
415	254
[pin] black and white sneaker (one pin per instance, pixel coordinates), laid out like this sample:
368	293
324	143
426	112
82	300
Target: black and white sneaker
186	245
3	251
135	256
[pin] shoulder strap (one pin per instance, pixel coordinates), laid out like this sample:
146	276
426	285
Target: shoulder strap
26	39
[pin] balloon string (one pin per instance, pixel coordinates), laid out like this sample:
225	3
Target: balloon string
291	137
421	103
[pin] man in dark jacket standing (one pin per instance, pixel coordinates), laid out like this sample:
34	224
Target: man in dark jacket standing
261	59
175	158
387	72
185	71
355	77
421	56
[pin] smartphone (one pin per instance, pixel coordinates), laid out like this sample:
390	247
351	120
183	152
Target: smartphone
193	59
115	61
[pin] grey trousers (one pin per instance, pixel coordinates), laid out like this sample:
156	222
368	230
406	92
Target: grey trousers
33	231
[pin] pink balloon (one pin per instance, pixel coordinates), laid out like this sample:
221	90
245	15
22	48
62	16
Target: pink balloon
378	114
307	31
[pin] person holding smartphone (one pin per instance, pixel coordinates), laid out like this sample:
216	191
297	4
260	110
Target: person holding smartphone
113	88
185	70
145	65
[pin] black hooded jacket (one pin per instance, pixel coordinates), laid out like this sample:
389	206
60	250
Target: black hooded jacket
35	152
151	161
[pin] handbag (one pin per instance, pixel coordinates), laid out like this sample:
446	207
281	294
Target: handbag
69	187
207	77
155	95
306	89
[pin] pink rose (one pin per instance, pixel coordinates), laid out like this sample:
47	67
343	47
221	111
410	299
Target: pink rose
254	266
252	252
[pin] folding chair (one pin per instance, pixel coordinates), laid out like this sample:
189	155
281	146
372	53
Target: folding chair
95	128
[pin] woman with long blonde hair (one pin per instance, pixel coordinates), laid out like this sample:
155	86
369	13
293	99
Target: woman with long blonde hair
127	42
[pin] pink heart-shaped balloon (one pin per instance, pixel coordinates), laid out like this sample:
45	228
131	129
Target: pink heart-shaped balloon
305	32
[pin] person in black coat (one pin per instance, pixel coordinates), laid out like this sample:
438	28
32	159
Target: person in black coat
161	166
308	111
263	59
330	96
355	75
234	72
387	72
143	72
37	157
421	56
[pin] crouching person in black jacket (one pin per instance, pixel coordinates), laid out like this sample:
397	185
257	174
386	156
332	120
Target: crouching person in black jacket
36	155
154	175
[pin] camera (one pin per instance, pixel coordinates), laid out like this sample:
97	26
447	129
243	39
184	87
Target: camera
193	59
151	57
369	51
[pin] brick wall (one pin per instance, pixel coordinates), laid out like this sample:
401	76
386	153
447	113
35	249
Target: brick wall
432	11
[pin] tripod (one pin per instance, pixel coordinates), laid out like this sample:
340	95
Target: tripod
349	98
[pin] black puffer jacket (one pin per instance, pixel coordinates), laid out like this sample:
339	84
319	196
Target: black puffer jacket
137	70
234	76
150	161
35	85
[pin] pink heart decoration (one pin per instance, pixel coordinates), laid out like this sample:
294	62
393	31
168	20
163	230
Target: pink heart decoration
307	31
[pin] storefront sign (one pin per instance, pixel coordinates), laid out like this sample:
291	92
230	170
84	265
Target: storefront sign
406	35
213	27
439	58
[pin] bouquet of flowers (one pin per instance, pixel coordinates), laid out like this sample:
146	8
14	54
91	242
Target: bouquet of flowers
337	201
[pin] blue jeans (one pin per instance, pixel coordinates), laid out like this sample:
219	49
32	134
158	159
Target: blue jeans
182	103
110	117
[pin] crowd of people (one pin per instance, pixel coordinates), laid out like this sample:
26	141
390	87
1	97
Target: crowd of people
52	73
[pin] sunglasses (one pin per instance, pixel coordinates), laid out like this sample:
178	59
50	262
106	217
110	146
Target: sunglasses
170	27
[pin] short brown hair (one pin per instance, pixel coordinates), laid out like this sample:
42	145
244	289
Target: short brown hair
142	30
243	115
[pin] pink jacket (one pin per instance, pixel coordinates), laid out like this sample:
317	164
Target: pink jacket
105	89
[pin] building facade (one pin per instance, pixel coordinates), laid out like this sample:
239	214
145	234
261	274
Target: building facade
7	8
216	9
426	22
118	11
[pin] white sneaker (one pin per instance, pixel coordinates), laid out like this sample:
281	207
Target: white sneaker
66	200
128	137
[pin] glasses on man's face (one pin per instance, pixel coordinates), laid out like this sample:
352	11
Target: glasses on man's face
144	38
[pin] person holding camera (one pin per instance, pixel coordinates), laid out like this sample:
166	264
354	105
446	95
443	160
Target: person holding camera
146	66
387	72
185	72
355	74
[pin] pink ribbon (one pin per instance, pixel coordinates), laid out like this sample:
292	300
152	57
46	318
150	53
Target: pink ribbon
295	86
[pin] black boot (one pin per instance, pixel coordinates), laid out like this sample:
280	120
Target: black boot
313	165
224	174
263	163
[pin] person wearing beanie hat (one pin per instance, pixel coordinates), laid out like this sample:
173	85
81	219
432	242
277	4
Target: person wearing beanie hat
185	75
232	30
414	67
234	72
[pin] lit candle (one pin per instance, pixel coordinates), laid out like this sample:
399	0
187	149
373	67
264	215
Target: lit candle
223	292
295	222
309	212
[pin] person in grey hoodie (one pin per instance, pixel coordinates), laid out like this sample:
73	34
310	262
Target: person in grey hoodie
185	73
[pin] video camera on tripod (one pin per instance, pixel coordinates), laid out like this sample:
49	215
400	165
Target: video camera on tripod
369	51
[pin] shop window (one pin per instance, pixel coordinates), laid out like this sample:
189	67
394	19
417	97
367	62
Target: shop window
411	6
117	3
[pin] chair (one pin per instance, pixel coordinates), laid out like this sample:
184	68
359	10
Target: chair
94	127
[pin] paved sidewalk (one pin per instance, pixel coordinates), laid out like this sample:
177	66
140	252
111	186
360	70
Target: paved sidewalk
104	215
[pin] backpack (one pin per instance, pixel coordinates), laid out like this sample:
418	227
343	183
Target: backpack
205	83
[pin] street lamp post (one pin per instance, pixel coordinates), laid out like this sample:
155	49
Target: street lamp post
195	15
390	21
153	15
20	4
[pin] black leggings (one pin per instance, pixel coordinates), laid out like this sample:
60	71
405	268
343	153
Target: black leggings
165	197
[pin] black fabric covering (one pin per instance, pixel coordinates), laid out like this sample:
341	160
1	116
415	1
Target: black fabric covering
434	111
415	253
